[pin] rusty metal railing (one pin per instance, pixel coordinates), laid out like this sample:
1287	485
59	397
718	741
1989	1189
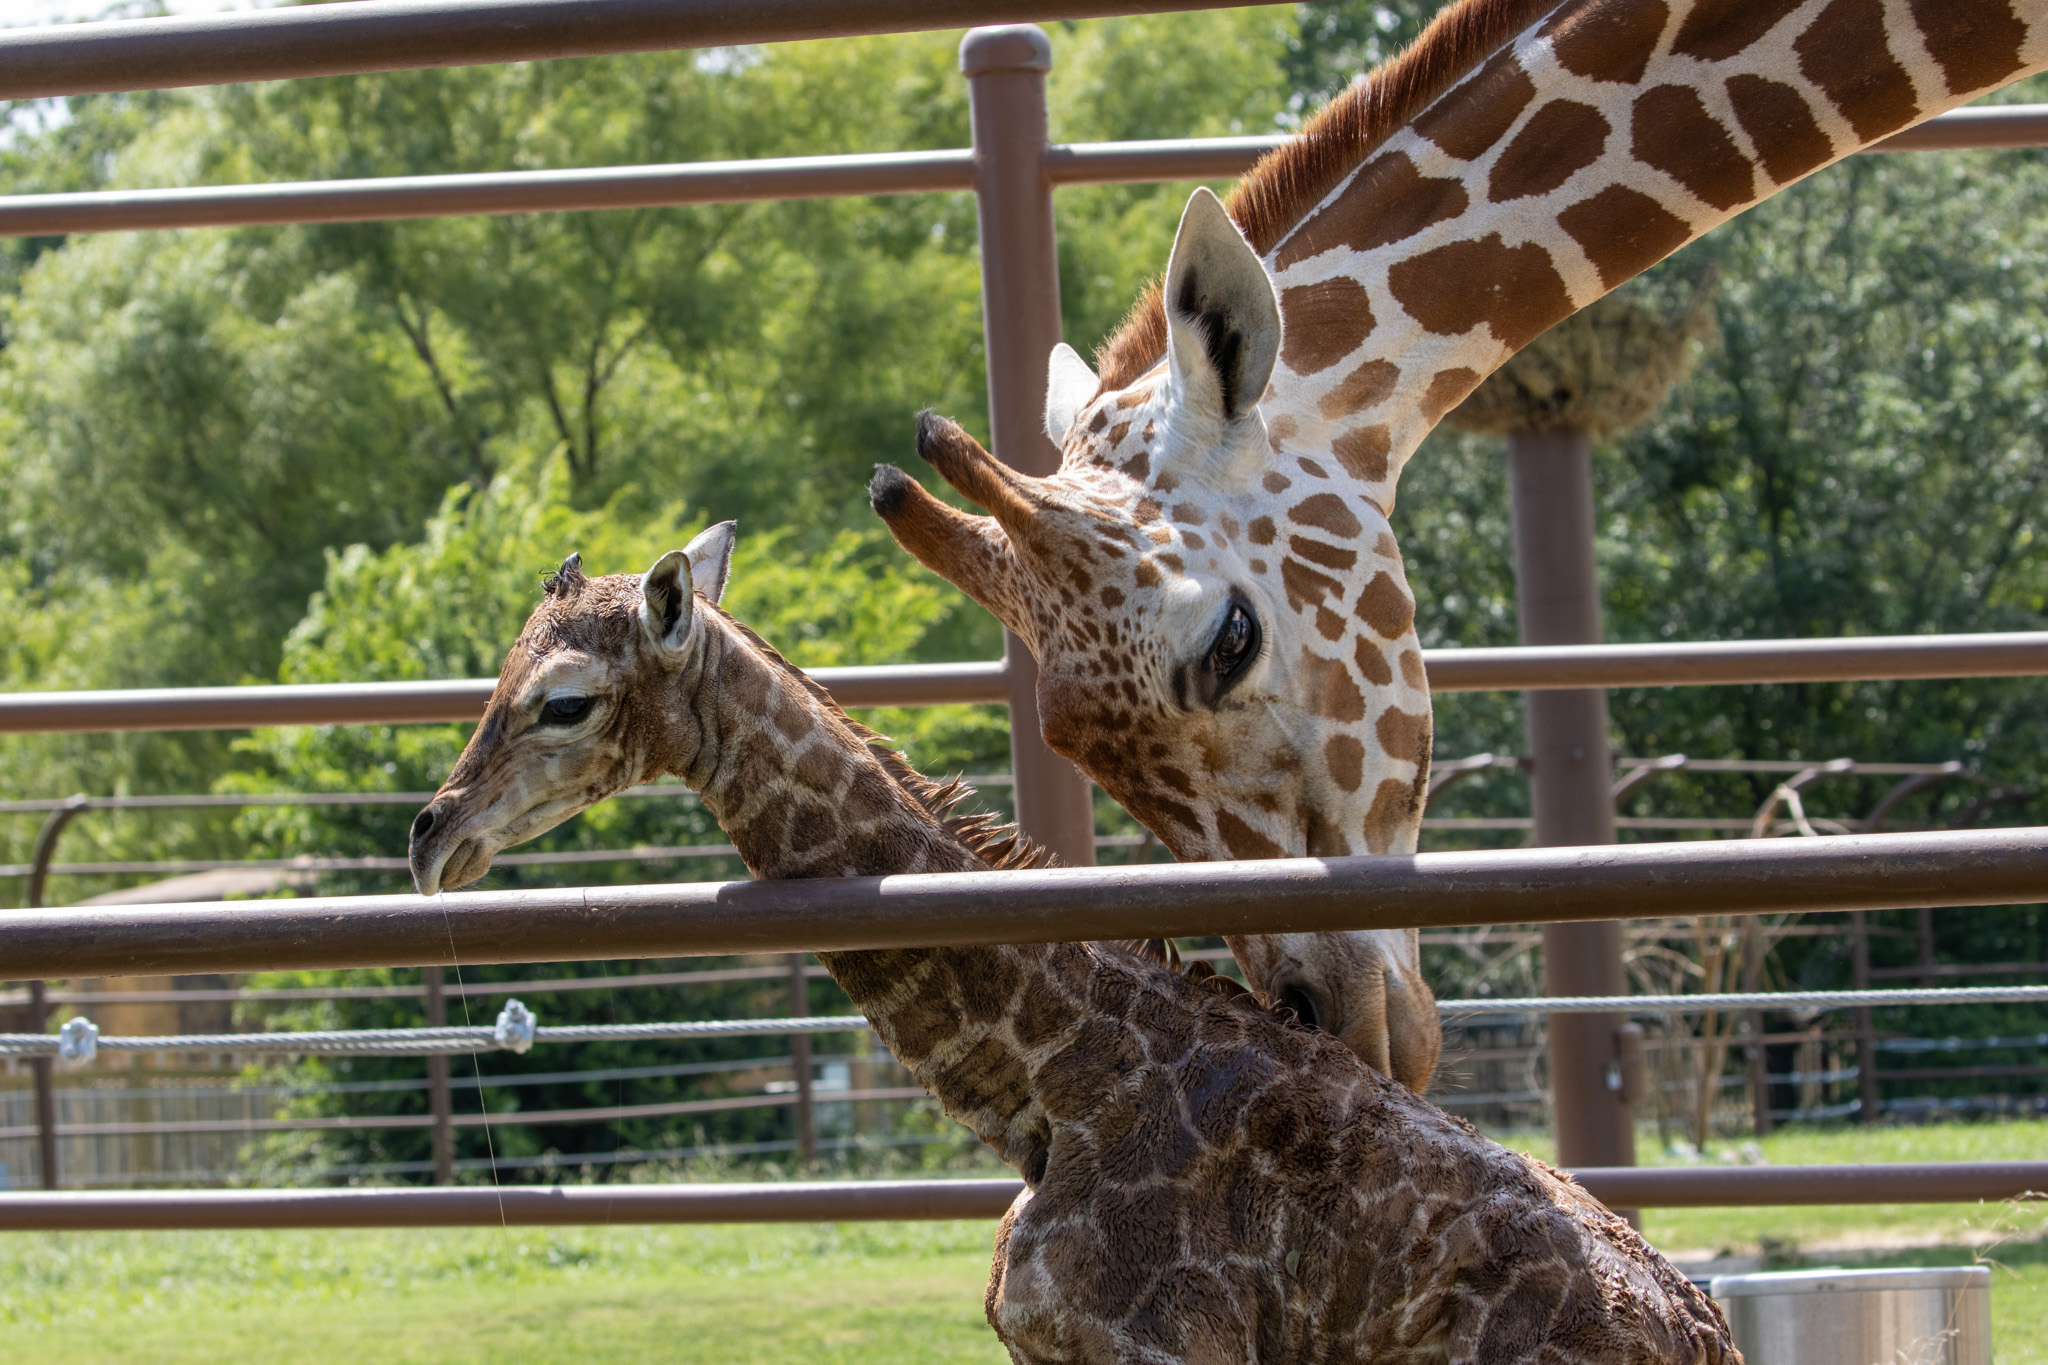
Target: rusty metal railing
907	1200
1689	664
1506	886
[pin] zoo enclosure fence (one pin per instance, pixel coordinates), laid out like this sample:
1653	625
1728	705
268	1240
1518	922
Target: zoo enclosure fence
1012	169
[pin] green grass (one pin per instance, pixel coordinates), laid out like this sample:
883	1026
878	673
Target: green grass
820	1295
814	1295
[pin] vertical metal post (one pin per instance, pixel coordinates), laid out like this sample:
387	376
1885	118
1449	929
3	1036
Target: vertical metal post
440	1101
1868	1109
800	1061
1557	600
43	1069
1005	68
1753	1022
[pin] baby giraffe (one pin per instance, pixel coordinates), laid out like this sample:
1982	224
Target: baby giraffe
1208	1183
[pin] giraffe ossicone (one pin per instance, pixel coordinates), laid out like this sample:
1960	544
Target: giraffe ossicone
1206	1182
1520	160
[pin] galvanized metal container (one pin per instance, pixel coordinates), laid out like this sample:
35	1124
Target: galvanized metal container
1860	1317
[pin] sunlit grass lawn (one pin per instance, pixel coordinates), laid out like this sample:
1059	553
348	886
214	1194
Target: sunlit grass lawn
802	1295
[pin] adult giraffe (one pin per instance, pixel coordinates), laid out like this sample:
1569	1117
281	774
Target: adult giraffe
1224	631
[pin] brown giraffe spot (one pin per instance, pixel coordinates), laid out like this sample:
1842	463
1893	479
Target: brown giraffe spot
1327	688
1412	671
1363	452
1275	482
1243	841
1304	586
1147	574
1258	566
1166	482
1843	52
1146	512
1345	758
1446	391
1610	40
1372	663
1402	735
1673	131
1385	606
1311	468
1329	556
1329	624
1188	514
1393	805
1780	126
1227	526
1135	398
1138	466
1624	232
1171	562
1101	420
1468	121
1323	323
1278	431
1515	291
1261	531
1193	540
1160	535
1387	201
1977	42
1118	432
1326	512
1559	140
1715	30
1373	382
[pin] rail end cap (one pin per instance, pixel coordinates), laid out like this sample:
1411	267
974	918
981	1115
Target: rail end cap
1005	47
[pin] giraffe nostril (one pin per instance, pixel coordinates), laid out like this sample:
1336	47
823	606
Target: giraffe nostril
423	823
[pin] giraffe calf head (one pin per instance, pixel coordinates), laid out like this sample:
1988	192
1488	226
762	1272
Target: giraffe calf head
579	712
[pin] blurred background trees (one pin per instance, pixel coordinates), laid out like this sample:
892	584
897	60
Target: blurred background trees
344	452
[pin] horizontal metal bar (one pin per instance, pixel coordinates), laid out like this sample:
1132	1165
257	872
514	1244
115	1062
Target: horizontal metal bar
405	35
442	196
1429	890
1694	1187
1694	664
906	1200
732	182
1987	126
407	703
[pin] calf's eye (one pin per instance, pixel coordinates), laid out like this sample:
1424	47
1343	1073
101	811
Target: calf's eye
566	711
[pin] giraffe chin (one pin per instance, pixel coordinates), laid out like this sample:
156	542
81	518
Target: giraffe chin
465	863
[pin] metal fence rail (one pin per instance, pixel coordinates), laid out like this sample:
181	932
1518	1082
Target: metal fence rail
905	1200
1690	664
584	189
1508	886
405	35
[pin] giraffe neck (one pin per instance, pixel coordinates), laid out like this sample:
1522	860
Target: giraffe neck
803	792
1573	155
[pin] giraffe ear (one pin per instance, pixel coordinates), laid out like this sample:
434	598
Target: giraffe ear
665	601
1069	383
710	556
1222	317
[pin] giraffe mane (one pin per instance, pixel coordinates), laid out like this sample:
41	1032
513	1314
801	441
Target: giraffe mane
998	843
1291	180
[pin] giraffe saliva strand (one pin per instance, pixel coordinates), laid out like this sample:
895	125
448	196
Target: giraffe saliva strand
1210	583
1206	1181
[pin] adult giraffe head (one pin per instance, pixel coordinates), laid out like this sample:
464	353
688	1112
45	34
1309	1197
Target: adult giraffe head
1209	582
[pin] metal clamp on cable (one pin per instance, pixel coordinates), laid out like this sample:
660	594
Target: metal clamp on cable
78	1042
514	1029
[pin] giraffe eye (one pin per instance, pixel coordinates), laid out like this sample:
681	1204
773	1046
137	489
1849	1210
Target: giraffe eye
1236	644
566	711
